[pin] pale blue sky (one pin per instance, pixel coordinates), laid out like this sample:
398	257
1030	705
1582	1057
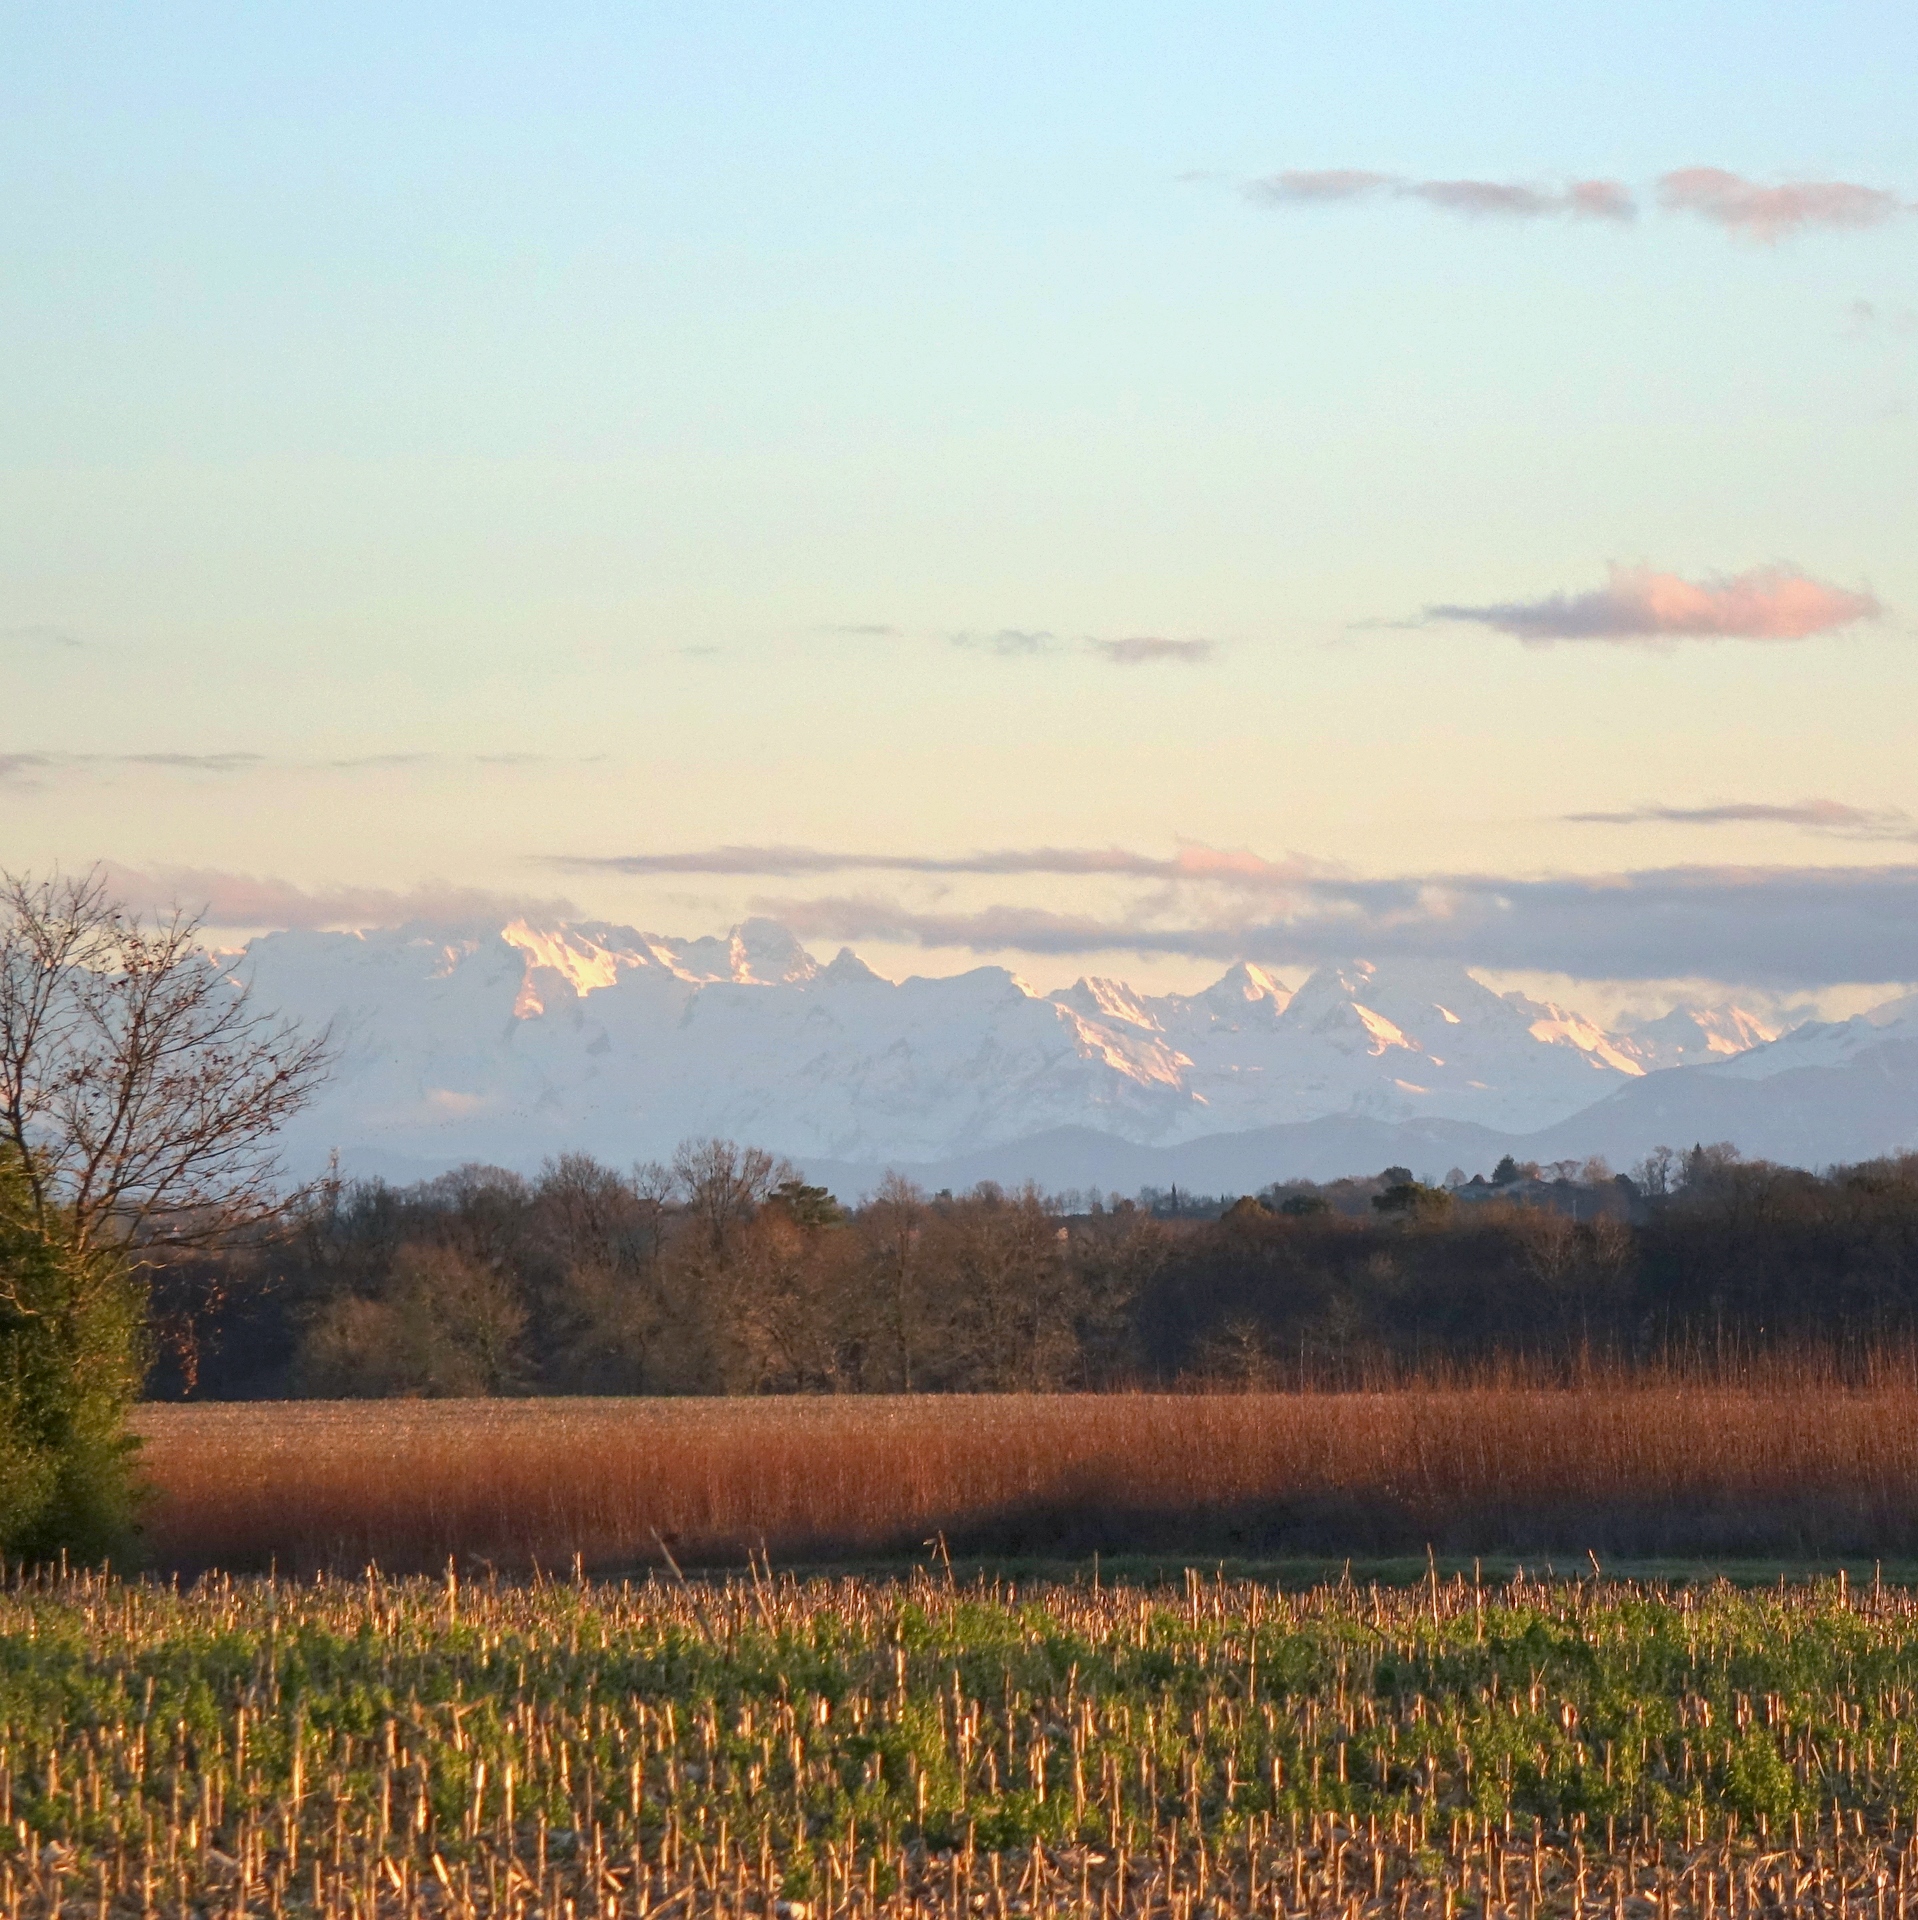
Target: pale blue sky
582	384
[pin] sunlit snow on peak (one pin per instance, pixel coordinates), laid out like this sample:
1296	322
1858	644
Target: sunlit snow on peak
1383	1031
580	961
1108	999
1249	983
1556	1027
1688	1035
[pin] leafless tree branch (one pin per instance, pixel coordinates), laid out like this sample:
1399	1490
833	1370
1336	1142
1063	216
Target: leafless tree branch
140	1088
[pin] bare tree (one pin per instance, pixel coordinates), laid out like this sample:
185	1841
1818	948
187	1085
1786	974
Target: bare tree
606	1235
724	1185
140	1089
897	1214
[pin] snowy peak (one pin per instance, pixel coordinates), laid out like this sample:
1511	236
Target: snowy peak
756	953
1330	986
1688	1036
573	959
577	961
1246	985
508	1043
1415	1007
1557	1027
1103	999
847	969
1127	1050
764	954
1333	1003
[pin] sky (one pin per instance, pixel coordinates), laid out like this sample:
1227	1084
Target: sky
1091	489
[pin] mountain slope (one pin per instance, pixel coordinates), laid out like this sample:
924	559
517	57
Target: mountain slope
1816	1112
511	1043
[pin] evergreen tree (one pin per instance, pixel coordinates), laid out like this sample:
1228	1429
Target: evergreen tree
72	1355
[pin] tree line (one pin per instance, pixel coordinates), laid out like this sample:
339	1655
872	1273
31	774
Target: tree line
725	1273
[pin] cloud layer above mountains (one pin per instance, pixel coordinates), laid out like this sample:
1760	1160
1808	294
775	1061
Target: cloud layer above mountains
244	900
1775	927
1792	929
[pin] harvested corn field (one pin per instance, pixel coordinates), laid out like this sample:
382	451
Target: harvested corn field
379	1750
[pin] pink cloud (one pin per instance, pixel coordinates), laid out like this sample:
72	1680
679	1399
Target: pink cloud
1768	213
1601	200
1582	199
1637	604
1317	187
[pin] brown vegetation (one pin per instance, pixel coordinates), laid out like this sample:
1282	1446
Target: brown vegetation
1784	1465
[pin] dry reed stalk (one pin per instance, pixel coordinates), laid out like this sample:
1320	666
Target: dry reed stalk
1615	1466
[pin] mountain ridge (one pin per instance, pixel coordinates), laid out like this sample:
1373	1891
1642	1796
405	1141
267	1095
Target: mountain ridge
513	1042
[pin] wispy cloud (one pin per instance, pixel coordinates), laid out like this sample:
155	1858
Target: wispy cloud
1475	199
1818	816
27	766
1191	862
1009	643
245	900
1727	200
1141	648
1767	214
1583	199
32	766
190	762
1130	650
39	636
1324	186
1639	605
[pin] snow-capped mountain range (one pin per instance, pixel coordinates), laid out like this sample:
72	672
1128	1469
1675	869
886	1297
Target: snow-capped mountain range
507	1044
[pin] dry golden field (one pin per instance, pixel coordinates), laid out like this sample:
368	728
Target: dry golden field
1777	1469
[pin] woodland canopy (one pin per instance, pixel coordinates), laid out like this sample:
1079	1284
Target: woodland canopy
726	1273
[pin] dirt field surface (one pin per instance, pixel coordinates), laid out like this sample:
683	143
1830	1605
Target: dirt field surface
516	1483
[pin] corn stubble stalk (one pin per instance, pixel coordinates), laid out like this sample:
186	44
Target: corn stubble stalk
367	1748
